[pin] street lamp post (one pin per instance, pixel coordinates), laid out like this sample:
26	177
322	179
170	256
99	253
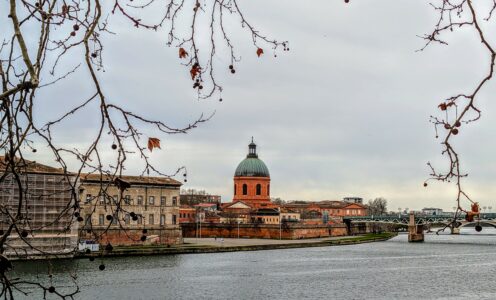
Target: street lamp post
197	226
238	228
200	223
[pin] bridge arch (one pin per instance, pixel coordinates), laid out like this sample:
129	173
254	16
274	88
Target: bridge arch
482	223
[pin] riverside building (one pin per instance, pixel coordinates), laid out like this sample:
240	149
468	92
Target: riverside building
148	207
252	214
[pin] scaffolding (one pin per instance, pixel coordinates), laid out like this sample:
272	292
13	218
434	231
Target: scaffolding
46	214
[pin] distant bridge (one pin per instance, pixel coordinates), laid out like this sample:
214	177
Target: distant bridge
403	219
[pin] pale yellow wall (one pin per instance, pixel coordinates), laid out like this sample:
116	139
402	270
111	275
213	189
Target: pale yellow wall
96	207
241	220
292	216
270	219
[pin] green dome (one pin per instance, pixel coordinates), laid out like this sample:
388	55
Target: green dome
252	166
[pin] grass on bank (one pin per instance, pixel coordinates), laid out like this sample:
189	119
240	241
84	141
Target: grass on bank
186	246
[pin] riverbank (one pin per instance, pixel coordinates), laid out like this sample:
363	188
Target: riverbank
232	245
372	271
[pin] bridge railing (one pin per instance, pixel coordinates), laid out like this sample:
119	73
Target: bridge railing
419	217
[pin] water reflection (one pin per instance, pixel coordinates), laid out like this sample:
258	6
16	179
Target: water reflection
444	267
486	230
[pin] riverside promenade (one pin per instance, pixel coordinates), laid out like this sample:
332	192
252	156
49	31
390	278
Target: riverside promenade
211	245
234	242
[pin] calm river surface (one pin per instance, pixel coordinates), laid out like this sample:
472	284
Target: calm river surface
444	267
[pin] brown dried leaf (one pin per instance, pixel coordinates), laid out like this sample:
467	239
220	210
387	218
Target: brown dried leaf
153	143
195	70
259	52
475	207
182	53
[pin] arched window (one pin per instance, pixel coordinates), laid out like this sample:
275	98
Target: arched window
234	189
268	189
245	189
259	189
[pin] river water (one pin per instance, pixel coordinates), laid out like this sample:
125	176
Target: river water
444	267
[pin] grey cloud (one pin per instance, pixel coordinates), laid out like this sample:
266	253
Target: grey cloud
344	112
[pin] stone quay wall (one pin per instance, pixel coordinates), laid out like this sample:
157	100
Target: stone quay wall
128	237
263	231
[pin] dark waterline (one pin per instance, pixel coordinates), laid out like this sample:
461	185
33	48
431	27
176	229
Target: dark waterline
445	267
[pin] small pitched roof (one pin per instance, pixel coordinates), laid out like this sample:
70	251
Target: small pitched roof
357	204
185	207
237	204
267	212
288	210
205	204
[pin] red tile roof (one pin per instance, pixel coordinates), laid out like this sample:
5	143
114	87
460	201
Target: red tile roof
28	166
145	180
206	204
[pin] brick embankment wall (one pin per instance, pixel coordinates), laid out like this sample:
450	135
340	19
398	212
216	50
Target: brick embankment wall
290	232
363	228
338	230
121	237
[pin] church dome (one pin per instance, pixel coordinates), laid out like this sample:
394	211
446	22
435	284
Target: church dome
252	166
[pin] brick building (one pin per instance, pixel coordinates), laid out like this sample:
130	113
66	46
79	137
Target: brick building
327	207
251	200
187	214
289	215
149	203
252	214
193	197
266	216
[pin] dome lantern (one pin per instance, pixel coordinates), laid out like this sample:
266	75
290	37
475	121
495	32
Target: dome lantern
252	149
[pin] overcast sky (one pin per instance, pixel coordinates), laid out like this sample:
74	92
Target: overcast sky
343	113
